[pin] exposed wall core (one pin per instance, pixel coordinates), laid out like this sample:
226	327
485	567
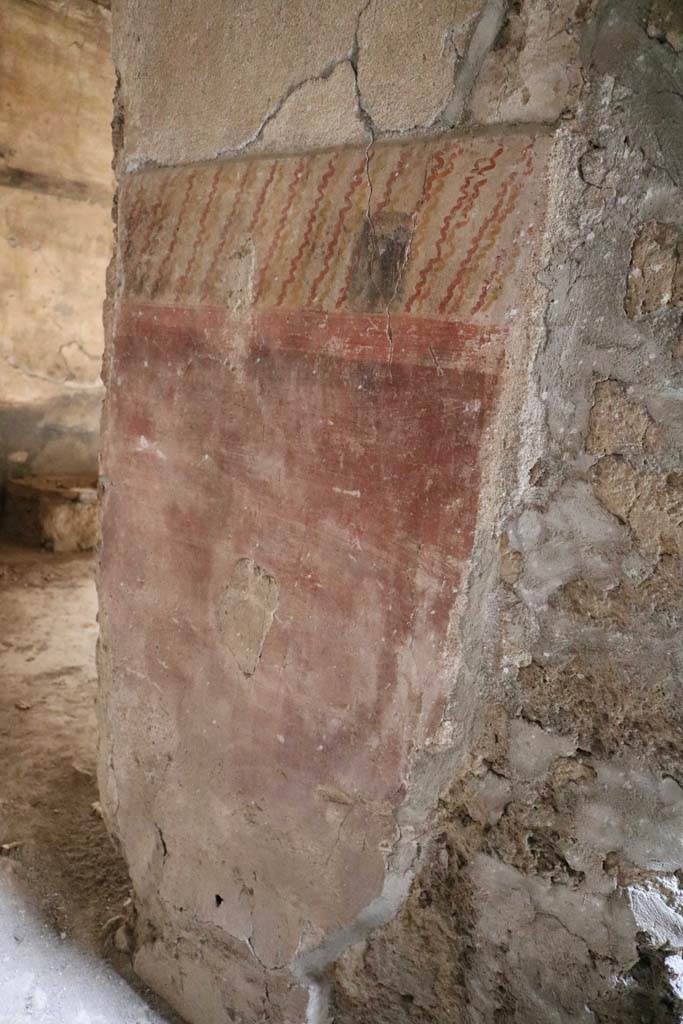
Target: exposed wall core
390	726
57	83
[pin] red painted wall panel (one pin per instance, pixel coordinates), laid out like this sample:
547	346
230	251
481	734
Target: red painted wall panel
302	391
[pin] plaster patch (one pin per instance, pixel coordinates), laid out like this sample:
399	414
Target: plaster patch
533	749
636	813
246	612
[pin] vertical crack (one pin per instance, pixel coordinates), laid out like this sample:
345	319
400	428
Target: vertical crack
363	113
369	126
164	847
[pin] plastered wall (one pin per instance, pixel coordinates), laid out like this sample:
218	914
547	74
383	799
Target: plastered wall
390	682
56	188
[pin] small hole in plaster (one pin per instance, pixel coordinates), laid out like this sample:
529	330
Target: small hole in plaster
218	899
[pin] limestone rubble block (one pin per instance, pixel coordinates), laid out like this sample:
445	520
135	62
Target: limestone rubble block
60	513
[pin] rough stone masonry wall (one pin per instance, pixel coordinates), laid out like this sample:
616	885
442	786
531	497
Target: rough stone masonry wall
56	186
496	835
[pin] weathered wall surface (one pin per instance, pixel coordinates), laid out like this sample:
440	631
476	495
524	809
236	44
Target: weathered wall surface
314	452
56	186
399	737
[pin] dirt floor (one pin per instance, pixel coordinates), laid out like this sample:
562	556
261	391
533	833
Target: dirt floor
52	840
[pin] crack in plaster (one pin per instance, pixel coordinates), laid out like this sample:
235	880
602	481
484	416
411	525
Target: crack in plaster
351	58
164	848
354	55
322	76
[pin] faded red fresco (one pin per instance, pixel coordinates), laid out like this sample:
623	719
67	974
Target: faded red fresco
300	385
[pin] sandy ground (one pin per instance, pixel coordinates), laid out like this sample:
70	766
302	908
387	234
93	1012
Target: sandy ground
58	865
45	979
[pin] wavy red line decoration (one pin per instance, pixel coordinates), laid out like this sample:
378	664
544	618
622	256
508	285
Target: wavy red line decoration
329	252
165	263
481	167
282	220
306	241
214	261
182	284
293	232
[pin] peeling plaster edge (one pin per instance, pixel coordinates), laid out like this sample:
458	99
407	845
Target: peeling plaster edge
107	781
533	436
493	129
